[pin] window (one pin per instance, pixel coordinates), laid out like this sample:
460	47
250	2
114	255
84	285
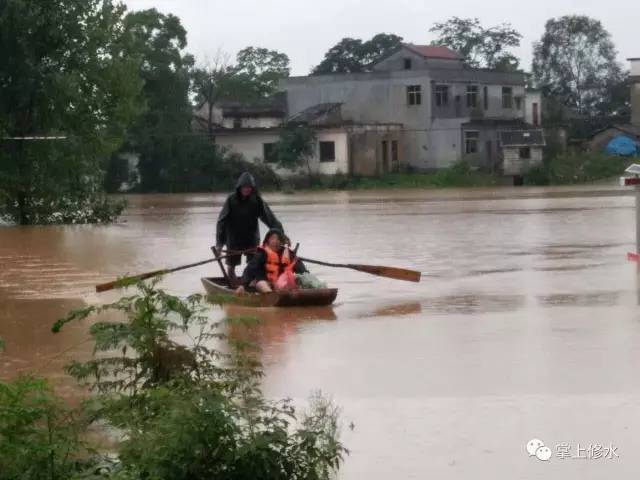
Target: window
471	142
327	152
536	117
472	96
414	95
237	123
269	152
507	97
442	95
486	98
407	64
525	152
518	102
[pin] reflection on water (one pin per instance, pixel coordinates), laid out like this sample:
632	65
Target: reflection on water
580	299
528	308
411	308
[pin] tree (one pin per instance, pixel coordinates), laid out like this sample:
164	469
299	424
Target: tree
67	71
575	62
352	55
212	83
261	70
479	47
159	41
295	147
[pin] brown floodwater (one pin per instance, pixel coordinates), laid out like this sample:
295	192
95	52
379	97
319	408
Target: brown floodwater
526	324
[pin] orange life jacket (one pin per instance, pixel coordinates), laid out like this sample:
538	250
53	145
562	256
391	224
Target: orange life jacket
277	264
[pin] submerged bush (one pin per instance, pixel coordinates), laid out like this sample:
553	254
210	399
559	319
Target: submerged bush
577	167
195	411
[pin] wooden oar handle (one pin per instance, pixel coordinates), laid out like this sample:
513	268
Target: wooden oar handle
103	287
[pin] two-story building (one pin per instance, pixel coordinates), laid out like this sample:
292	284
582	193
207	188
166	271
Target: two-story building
420	107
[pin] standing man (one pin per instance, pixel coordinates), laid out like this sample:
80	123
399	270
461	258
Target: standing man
238	222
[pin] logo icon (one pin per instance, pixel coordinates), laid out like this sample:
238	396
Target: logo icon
536	448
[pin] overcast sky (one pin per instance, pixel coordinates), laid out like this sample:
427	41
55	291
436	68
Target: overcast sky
306	29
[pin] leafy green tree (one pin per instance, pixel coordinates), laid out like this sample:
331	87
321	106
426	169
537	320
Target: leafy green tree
67	71
351	55
575	63
159	41
261	70
480	47
295	147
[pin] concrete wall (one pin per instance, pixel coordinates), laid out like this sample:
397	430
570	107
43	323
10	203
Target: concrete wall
514	165
396	61
496	110
253	122
635	102
367	155
489	155
341	164
251	145
432	135
531	98
443	144
370	99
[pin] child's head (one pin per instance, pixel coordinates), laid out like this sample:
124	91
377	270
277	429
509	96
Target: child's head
274	239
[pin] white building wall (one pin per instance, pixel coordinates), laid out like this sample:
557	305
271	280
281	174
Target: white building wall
251	146
514	165
253	122
444	142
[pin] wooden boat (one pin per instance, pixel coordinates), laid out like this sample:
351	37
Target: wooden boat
291	298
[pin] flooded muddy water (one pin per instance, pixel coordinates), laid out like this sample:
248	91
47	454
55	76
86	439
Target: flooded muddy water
526	323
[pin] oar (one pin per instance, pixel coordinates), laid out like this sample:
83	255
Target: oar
381	271
216	254
103	287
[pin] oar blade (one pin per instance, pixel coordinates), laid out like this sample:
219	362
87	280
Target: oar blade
389	272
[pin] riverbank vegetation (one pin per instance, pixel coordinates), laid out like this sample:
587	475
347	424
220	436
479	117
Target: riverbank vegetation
577	168
180	399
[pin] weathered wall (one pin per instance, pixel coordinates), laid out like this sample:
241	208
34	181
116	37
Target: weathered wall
432	134
488	156
251	145
514	165
443	143
396	61
253	122
341	165
531	98
366	149
635	101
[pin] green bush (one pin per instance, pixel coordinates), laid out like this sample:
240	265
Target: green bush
39	435
194	411
577	167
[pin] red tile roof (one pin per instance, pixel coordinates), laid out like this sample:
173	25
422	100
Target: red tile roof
433	51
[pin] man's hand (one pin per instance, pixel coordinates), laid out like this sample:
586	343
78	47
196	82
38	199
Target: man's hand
219	248
240	290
